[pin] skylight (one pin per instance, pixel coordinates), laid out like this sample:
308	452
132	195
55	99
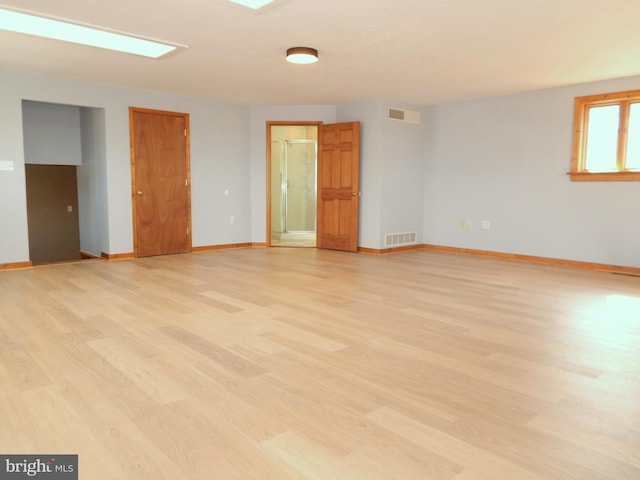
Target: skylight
255	4
84	35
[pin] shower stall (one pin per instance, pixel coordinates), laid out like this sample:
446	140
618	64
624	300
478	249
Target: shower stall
293	209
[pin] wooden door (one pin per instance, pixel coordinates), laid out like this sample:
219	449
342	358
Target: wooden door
338	196
160	182
52	213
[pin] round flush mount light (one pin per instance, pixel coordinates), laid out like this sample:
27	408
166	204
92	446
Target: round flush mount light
302	55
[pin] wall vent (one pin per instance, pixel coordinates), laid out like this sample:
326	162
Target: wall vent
406	116
399	239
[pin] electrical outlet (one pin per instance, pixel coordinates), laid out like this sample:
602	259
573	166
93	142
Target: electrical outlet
486	224
465	224
232	219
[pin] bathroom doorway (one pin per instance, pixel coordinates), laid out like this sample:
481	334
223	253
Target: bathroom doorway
292	167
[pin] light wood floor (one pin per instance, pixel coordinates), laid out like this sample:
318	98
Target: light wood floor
298	239
277	364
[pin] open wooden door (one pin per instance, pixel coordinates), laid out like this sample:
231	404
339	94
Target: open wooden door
338	195
160	182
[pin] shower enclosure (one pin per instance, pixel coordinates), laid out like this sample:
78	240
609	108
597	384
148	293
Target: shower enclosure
293	217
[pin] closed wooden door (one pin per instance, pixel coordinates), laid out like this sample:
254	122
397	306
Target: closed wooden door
52	213
160	182
338	195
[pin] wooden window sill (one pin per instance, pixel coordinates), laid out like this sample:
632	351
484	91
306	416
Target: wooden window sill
604	176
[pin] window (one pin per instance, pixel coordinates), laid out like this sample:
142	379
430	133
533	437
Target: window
606	138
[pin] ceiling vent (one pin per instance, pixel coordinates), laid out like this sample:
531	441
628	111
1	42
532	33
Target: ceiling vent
406	116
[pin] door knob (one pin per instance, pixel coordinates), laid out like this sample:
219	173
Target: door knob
140	192
353	194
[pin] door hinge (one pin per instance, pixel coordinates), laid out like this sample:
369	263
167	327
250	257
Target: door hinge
187	230
186	182
185	132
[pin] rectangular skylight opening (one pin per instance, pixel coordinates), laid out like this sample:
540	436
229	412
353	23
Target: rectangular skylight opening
30	24
255	4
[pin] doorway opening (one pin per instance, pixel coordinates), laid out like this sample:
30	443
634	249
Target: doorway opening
292	161
65	177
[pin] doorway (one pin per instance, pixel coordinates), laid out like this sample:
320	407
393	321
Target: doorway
292	167
66	185
335	189
161	190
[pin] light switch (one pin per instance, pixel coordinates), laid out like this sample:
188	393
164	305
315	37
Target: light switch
6	165
69	208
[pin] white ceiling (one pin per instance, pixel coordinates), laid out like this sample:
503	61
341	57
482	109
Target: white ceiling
422	52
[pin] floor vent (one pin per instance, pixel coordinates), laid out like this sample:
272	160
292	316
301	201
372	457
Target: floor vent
406	116
398	239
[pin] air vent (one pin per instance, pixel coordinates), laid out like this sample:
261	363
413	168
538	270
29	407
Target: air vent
396	114
399	239
406	116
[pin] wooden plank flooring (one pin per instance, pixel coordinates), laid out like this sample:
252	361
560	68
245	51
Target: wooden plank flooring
278	364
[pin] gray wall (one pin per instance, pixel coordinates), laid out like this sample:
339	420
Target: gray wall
501	159
51	134
391	171
219	159
505	159
14	239
93	208
403	152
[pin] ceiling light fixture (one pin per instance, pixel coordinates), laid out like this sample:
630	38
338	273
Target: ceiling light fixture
39	26
302	55
255	4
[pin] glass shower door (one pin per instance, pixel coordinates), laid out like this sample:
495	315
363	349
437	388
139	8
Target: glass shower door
299	187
